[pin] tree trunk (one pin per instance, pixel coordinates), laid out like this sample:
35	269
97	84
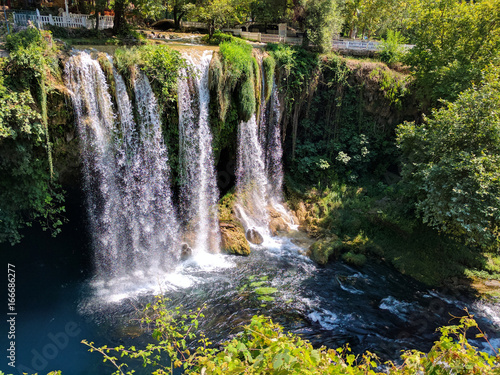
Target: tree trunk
177	18
118	21
211	30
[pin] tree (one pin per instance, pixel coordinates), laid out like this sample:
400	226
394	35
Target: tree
270	11
178	8
321	22
454	40
27	190
218	13
370	16
452	164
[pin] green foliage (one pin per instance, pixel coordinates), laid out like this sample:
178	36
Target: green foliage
31	37
322	22
232	84
369	17
392	50
270	11
159	62
27	192
269	65
217	38
172	330
264	348
452	165
393	85
377	220
454	40
452	354
218	13
298	72
232	90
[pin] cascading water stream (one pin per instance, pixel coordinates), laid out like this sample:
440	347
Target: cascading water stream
126	173
251	179
259	165
199	193
96	126
157	213
274	149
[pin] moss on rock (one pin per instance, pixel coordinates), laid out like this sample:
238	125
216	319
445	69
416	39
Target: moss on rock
233	239
322	250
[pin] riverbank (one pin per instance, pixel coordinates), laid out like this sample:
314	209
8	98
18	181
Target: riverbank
365	224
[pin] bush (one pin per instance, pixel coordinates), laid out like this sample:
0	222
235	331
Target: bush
393	50
31	37
236	78
217	38
27	190
452	167
264	348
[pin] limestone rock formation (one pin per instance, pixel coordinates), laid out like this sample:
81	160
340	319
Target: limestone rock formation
254	236
233	239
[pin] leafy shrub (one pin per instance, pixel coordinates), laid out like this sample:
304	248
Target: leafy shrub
393	86
24	39
269	65
237	78
217	38
392	50
452	165
264	348
160	63
27	190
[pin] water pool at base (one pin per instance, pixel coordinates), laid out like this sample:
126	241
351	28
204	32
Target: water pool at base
373	308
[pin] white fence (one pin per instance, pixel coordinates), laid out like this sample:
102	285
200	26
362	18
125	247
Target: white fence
199	25
362	45
66	20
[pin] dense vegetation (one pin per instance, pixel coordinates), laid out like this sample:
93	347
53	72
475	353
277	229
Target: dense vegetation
28	188
397	164
263	348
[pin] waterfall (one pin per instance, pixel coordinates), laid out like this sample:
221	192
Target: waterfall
125	171
274	149
259	164
199	193
251	179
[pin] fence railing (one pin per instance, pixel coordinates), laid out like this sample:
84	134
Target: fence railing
66	20
362	45
199	25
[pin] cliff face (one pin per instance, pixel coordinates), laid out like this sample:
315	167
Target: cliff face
66	148
369	99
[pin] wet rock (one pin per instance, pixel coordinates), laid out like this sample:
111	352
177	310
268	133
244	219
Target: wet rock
186	251
254	236
492	283
278	224
274	213
301	213
322	250
233	239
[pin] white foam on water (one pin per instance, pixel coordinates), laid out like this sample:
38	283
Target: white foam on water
325	318
396	307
